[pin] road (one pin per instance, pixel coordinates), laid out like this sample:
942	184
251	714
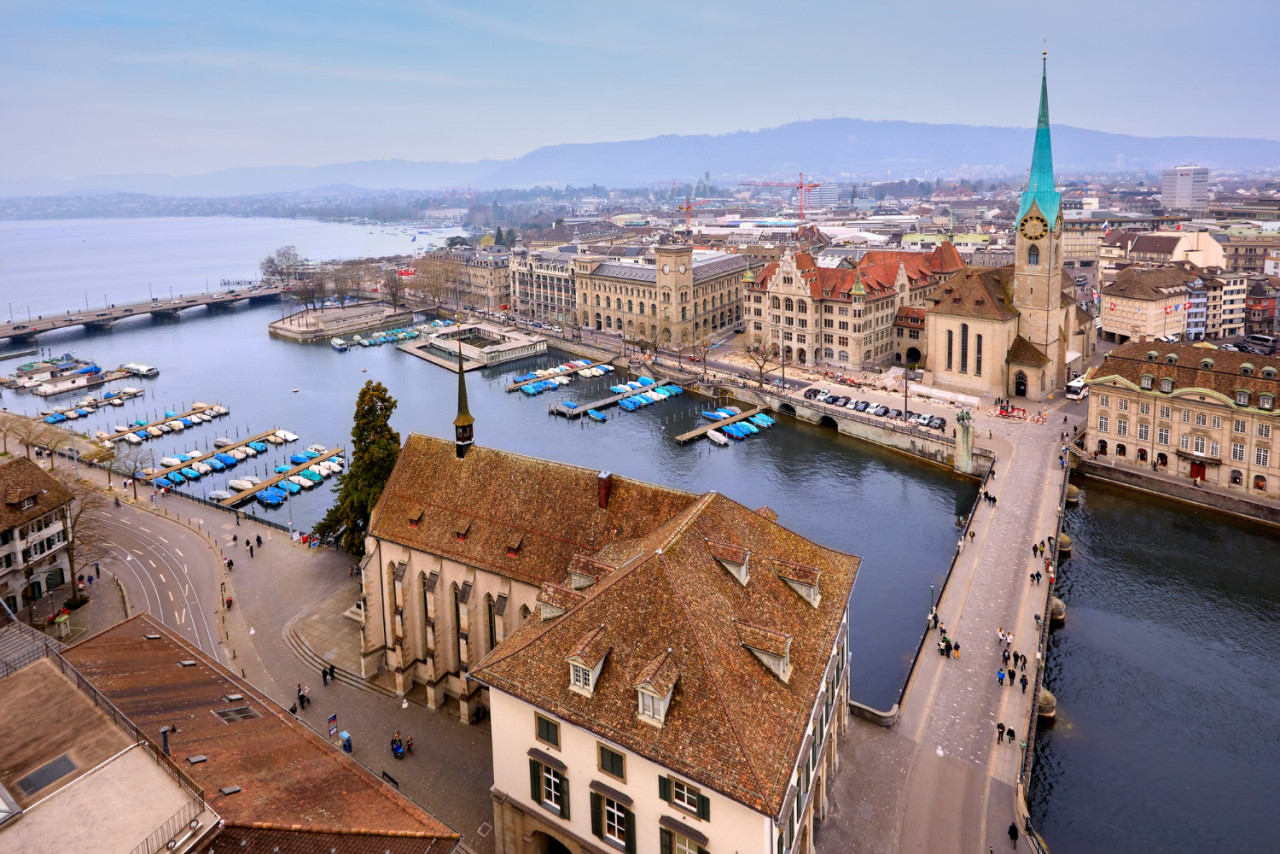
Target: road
166	570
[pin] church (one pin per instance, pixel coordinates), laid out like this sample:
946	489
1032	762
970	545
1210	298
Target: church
1014	331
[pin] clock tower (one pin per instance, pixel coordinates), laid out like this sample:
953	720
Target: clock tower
1037	276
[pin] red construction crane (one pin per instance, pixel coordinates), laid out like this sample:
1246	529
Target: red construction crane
471	194
800	186
688	207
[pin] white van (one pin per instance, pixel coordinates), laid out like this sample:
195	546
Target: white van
1077	390
1263	342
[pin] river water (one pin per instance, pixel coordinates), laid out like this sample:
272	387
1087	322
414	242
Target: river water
1165	674
1164	671
897	514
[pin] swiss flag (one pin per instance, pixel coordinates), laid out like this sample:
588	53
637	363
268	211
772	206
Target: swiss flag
1168	309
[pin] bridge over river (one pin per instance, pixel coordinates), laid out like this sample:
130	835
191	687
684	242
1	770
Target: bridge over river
25	331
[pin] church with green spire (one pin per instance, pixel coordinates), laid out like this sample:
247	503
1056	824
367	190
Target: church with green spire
1015	331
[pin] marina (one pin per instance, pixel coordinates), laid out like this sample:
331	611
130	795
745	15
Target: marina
245	494
577	410
142	427
525	379
706	429
200	458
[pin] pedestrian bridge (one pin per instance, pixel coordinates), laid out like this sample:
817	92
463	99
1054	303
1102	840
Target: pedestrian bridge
18	330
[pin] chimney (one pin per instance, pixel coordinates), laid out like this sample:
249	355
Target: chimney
604	485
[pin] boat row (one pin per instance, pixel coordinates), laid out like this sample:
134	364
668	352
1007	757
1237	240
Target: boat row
195	464
738	430
582	367
374	339
651	395
140	431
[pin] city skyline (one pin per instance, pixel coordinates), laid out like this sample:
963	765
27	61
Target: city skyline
150	88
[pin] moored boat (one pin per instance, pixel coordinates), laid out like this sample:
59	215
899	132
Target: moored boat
717	437
596	415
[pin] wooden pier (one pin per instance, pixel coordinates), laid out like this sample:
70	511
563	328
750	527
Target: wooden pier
711	425
571	413
239	443
272	481
518	386
196	410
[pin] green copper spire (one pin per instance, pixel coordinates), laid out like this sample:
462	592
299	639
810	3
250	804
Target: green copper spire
1040	186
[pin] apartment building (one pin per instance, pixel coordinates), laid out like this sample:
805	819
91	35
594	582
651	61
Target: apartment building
479	277
1260	305
1207	415
1144	304
1246	249
544	285
33	532
1124	248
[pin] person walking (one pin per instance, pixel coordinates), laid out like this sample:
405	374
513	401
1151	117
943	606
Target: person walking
1008	733
955	649
999	733
972	536
258	540
324	675
1000	677
1013	834
946	645
250	551
1000	635
1005	657
1008	640
1023	681
1037	577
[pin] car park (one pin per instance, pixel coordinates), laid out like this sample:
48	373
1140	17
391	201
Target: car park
894	414
853	404
923	419
842	400
810	393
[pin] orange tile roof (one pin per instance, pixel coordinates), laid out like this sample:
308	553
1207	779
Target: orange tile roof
979	292
732	725
290	779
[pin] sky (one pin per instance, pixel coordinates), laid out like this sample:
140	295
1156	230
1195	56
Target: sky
103	87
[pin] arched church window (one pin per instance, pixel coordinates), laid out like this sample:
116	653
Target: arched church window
1033	255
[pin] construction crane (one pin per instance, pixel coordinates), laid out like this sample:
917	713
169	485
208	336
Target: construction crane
688	207
471	194
800	186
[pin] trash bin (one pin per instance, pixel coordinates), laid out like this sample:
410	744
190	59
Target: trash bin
346	741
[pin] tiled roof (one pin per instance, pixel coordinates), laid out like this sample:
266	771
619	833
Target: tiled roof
1120	239
290	779
276	840
977	292
1130	361
592	647
1156	244
20	479
715	267
559	512
732	724
1143	283
1023	352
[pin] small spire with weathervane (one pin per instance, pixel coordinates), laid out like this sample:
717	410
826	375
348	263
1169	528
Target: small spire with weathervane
463	425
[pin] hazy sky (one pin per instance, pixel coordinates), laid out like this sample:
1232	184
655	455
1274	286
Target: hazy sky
179	87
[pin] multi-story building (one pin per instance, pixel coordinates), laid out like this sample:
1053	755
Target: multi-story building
1185	188
1124	248
1146	303
1226	295
1271	266
612	703
33	532
672	302
544	286
1260	305
479	277
1208	415
1247	249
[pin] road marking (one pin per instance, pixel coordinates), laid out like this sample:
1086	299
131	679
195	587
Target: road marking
181	615
152	562
170	595
140	528
178	552
161	574
162	539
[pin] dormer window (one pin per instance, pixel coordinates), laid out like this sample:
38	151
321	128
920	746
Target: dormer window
580	678
1171	359
1147	381
27	503
460	531
1266	401
586	659
1268	373
1152	355
1242	398
655	687
415	519
1206	364
734	559
1246	370
1166	385
772	648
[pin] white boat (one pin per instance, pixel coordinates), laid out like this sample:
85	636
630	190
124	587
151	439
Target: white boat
177	426
338	344
222	442
329	467
154	431
287	436
203	468
319	449
302	481
219	495
193	454
170	462
239	454
317	470
131	439
249	452
163	428
274	439
253	480
120	428
240	484
717	437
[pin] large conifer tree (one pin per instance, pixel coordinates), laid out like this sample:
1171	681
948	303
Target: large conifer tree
374	448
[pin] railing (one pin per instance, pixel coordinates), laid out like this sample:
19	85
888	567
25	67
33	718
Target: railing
159	838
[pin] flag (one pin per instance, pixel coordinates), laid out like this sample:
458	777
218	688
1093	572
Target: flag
1179	225
1186	306
1168	309
1106	228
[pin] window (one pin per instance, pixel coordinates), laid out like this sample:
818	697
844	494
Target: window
1144	431
1104	400
1242	398
1162	436
949	339
1184	442
1166	385
685	797
1104	424
1122	427
1261	457
1147	381
1264	431
613	821
548	787
1200	419
1033	255
580	677
1214	449
671	842
1217	422
1186	416
977	355
1237	452
548	731
650	706
1266	401
1239	426
1165	412
613	763
1123	404
1144	408
964	348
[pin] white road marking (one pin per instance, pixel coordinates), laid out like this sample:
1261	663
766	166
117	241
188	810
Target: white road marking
178	552
152	562
170	595
161	574
182	616
140	528
162	539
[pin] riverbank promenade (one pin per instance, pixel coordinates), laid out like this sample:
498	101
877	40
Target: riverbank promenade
943	779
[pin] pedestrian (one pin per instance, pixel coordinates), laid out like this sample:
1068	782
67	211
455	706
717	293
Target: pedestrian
972	536
351	571
408	745
1024	664
1037	621
993	472
1033	550
1037	577
234	538
935	619
258	540
1032	576
1024	683
1005	657
97	569
1000	677
947	646
293	710
999	733
1013	834
1042	547
237	519
955	647
1008	731
250	551
994	501
1008	640
324	675
942	629
942	651
231	564
333	673
90	582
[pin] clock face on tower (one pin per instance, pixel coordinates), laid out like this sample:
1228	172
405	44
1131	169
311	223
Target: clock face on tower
1034	227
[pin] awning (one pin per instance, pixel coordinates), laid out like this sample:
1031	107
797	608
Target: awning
1072	356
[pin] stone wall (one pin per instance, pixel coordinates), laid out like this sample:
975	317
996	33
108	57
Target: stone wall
1134	478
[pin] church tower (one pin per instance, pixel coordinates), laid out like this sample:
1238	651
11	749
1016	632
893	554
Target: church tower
463	425
1037	278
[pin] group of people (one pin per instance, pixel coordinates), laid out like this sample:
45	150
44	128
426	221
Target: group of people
248	544
947	648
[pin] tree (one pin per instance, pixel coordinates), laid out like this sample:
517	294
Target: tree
434	275
127	461
280	264
374	449
498	239
88	537
10	425
393	287
456	241
27	431
761	359
701	348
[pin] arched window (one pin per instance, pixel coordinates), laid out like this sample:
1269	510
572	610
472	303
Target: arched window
843	356
1033	255
788	305
802	306
964	348
629	304
775	302
828	353
684	313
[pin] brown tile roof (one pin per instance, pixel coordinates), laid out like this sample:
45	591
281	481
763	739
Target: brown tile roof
290	778
732	725
910	317
1149	283
790	570
276	840
21	478
763	639
592	647
559	514
1130	361
1023	352
979	292
1156	244
1120	239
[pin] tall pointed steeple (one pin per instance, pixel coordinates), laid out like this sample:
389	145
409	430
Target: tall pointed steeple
463	425
1040	186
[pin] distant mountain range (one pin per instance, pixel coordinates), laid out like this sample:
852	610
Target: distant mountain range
825	149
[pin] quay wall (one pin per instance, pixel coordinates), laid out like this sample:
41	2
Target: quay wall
1133	477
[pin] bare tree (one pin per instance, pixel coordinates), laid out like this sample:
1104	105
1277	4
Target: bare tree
393	287
344	283
433	277
10	425
27	431
281	264
128	462
761	359
701	348
88	538
53	439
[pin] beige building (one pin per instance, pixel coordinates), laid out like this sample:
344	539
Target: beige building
1147	303
1208	415
544	285
611	704
1245	249
1124	248
671	303
33	532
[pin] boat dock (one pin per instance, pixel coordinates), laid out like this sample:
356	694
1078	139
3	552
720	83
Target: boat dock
711	425
571	413
196	409
517	386
237	444
274	479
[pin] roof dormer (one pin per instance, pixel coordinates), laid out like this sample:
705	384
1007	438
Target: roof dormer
771	647
555	600
800	578
736	560
655	686
586	660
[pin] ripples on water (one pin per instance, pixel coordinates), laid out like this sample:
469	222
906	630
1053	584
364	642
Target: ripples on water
1165	674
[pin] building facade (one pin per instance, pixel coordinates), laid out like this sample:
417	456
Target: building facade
610	704
1260	305
1144	304
544	285
1206	415
33	532
1185	188
1246	249
479	277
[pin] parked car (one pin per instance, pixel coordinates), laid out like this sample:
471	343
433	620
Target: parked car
842	400
863	405
937	422
881	411
810	393
924	419
853	404
895	414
